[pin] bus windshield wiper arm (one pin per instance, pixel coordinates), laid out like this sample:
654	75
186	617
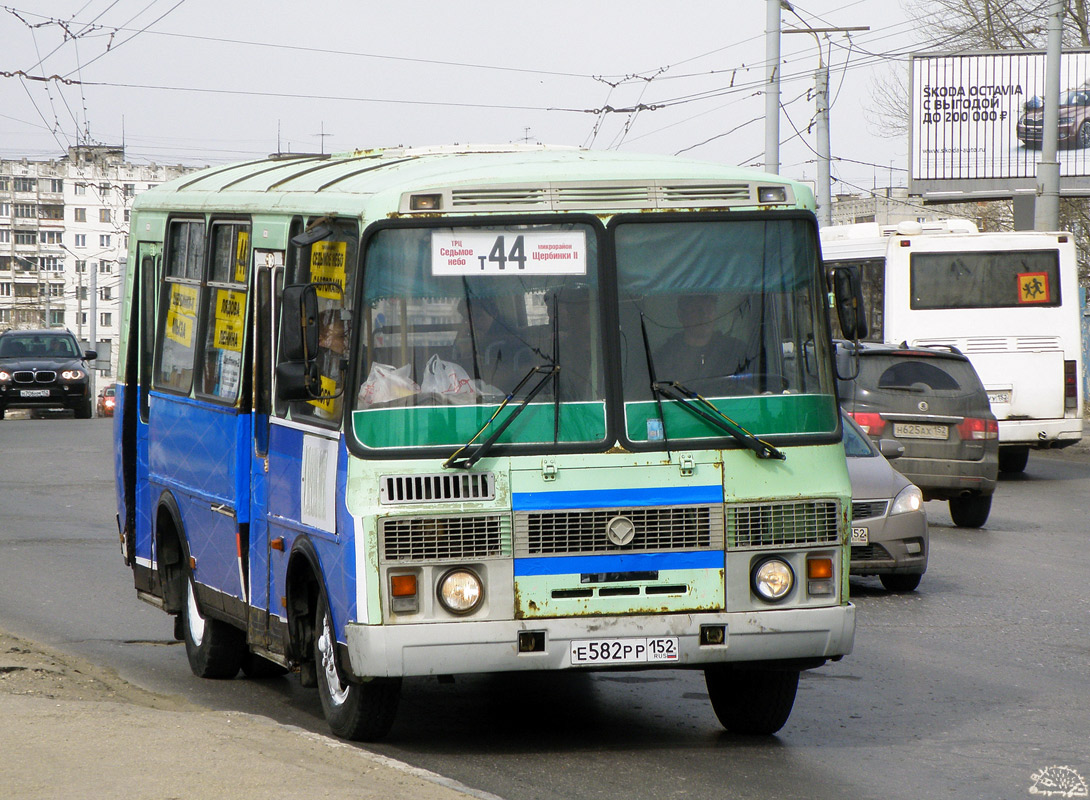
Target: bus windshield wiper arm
706	410
546	371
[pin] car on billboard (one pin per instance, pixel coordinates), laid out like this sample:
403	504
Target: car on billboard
1074	127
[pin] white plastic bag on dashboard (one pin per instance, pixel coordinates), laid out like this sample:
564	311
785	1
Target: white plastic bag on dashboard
386	382
447	378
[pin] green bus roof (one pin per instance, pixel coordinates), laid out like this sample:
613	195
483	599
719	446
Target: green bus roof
504	178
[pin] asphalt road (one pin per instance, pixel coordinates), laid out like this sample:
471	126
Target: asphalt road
968	688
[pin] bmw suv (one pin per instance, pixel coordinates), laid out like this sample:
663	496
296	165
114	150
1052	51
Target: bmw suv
44	369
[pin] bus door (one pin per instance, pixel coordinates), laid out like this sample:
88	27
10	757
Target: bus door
268	282
138	499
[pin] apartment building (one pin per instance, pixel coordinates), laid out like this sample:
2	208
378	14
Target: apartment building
63	239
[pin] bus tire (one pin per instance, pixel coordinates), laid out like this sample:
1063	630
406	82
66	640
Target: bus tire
1013	459
971	511
215	649
362	712
751	701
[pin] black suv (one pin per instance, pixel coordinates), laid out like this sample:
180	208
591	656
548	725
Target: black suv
44	369
930	400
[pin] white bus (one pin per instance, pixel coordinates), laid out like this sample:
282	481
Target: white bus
1009	301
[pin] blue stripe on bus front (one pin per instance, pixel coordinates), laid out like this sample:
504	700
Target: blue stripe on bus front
618	498
627	562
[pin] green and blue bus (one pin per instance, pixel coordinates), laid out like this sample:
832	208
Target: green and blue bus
425	412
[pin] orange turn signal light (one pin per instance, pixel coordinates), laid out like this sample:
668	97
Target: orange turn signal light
402	585
819	568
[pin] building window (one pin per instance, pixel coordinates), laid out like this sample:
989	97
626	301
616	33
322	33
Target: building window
56	290
5	315
81	266
106	319
49	237
5	209
106	267
52	263
104	189
104	215
50	212
105	293
81	189
5	290
81	214
56	185
26	237
83	318
130	190
56	318
104	240
81	240
81	292
26	211
5	236
26	184
127	215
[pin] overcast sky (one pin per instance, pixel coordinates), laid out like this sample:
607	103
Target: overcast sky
202	82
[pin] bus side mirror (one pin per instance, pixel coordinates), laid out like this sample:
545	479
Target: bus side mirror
297	376
848	295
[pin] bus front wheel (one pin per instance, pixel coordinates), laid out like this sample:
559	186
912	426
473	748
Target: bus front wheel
362	712
215	649
751	701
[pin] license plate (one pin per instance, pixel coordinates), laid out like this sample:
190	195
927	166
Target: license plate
999	396
34	393
910	430
624	651
860	536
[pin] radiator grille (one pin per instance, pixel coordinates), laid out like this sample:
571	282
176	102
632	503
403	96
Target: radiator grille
584	530
442	538
870	552
807	522
437	488
26	376
869	508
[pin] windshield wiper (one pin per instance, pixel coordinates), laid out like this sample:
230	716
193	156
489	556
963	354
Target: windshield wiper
702	407
547	371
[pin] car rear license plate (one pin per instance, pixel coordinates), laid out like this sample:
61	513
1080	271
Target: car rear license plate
999	396
624	651
912	430
34	393
860	536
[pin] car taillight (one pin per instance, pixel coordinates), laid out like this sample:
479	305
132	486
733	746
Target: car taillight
1071	384
975	428
870	422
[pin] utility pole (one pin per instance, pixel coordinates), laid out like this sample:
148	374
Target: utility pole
821	101
1047	210
772	86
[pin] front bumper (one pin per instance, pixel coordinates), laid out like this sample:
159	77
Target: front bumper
492	646
58	395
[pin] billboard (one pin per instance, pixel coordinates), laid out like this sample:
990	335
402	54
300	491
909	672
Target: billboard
977	123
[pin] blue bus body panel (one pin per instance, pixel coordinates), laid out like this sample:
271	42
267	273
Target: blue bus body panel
195	450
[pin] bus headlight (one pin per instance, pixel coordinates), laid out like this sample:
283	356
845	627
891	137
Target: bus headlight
460	591
773	579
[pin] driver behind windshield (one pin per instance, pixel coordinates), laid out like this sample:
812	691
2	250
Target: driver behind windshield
699	351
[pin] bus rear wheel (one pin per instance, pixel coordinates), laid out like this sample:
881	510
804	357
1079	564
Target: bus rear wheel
362	712
1013	459
751	701
215	649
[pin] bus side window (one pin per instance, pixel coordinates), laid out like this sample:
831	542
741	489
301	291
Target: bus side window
178	306
330	265
225	311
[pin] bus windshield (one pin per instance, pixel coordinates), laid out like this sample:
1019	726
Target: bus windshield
457	319
727	309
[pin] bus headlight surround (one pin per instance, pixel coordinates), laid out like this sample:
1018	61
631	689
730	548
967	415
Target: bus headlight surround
460	591
772	579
